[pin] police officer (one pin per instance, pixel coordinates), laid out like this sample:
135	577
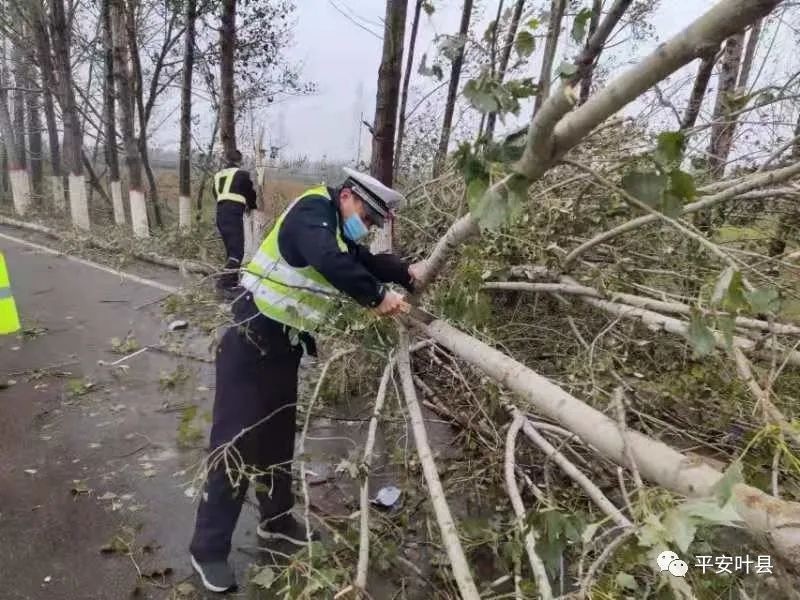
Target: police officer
292	284
235	196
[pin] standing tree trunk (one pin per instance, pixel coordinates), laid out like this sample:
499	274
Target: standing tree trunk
61	35
382	161
796	145
185	163
553	33
452	90
138	206
505	57
227	46
699	90
110	116
749	55
45	60
20	68
138	96
724	127
35	130
20	187
594	21
401	119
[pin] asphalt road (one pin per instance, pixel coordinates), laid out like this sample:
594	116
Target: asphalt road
93	456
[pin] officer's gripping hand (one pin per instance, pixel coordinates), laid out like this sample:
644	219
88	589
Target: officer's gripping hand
392	304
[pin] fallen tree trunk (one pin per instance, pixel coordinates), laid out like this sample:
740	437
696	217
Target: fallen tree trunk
657	462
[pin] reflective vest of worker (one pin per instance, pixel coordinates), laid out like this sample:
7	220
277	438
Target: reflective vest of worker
299	297
9	320
222	186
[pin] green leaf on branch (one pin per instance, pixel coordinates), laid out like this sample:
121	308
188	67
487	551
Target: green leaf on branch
498	206
533	24
525	44
480	95
451	46
669	149
579	24
682	185
763	300
727	325
729	291
681	527
646	187
264	578
567	69
521	88
626	581
700	336
723	489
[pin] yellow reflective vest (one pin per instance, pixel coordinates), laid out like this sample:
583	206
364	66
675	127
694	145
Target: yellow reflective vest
9	319
222	186
300	298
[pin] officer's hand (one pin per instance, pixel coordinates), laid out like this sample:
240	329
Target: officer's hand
392	304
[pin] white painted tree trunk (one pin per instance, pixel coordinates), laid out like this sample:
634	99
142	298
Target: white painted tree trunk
184	213
78	203
141	229
57	190
116	200
20	190
255	229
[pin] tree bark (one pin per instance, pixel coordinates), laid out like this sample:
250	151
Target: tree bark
557	9
401	119
110	115
704	72
49	85
227	45
594	21
389	72
20	68
452	90
142	111
18	177
723	129
123	79
505	57
749	55
35	131
185	162
72	148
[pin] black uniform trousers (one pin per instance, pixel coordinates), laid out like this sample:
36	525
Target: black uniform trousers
230	223
256	378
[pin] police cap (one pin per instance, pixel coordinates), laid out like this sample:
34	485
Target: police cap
379	198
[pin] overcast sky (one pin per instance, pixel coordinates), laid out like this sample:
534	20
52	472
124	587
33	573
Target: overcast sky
342	57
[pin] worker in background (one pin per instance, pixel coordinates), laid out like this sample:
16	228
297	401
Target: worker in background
235	196
9	319
293	283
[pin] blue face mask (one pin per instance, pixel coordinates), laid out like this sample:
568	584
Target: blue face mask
354	228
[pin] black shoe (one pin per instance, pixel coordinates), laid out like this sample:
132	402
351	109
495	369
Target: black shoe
286	528
217	576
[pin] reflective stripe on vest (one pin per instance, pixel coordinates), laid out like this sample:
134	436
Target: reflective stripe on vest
298	297
9	319
222	186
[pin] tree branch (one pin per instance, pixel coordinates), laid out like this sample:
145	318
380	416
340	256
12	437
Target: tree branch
447	526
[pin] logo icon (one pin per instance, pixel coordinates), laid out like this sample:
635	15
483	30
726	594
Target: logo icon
669	561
